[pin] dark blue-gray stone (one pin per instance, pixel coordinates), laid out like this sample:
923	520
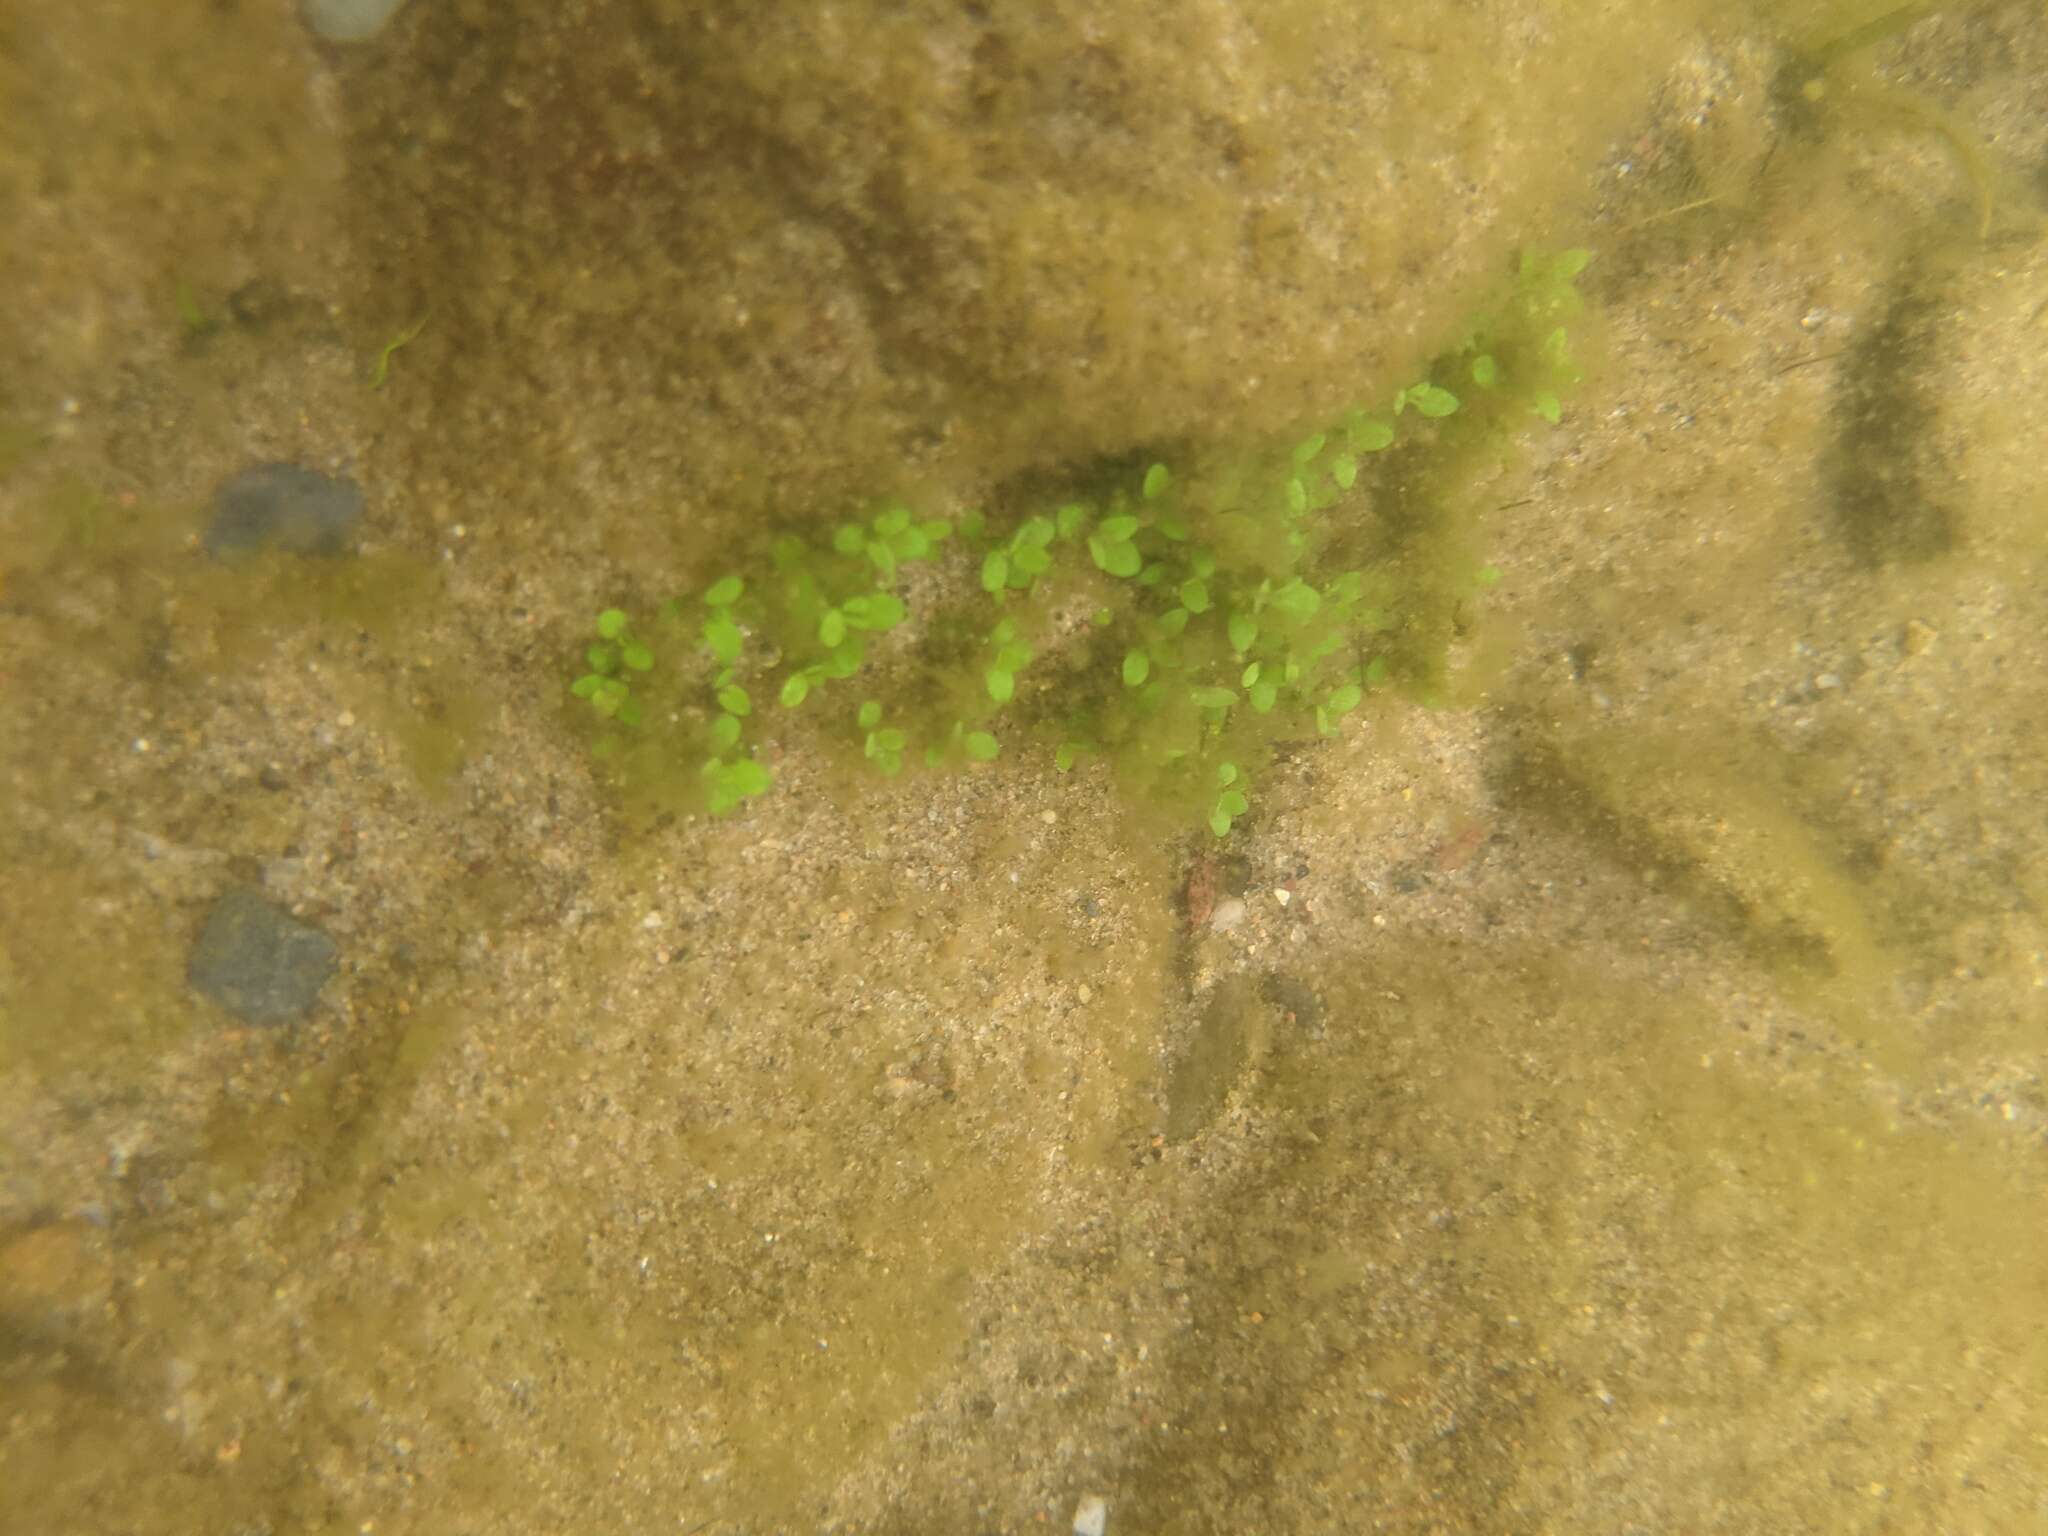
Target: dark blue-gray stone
258	961
281	506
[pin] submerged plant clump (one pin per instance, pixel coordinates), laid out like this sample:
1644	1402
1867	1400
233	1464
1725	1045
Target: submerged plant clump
1178	625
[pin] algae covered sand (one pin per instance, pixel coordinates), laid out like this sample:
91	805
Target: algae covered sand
1598	1089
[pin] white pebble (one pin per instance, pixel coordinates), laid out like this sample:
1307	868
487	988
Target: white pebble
1091	1516
1228	914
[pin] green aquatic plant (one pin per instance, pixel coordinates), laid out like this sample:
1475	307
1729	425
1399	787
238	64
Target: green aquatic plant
192	316
1176	623
380	371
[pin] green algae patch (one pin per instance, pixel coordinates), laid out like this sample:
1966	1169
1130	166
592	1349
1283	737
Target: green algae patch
1174	618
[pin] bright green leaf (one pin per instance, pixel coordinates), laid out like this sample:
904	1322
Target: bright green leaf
1137	667
1432	400
1116	559
873	611
741	780
1298	600
723	637
1371	435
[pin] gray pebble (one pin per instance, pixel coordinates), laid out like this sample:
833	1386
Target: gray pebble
348	21
258	961
281	506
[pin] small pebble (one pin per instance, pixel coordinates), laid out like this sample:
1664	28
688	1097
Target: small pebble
257	961
281	506
349	21
1091	1516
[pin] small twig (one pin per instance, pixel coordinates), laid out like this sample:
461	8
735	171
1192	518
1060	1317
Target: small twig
1808	362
